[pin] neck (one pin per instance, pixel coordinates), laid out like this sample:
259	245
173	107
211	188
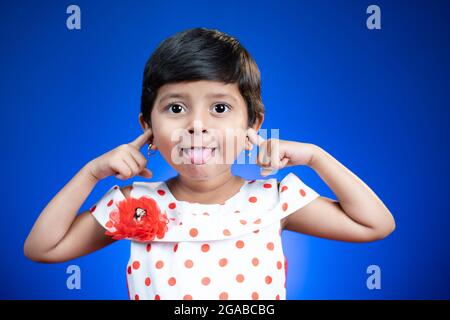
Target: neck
209	191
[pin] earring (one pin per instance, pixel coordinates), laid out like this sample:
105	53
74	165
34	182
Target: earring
149	150
247	152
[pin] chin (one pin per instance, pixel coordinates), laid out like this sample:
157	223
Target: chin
201	172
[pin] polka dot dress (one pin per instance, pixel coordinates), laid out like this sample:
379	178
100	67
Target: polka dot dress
213	251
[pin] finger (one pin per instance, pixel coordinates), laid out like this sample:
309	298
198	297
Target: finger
123	171
129	160
140	141
266	171
146	173
284	162
263	159
139	158
254	137
275	153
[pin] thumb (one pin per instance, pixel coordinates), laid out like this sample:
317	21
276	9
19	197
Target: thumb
146	173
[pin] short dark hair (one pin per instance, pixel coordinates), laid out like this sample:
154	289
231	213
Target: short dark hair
202	54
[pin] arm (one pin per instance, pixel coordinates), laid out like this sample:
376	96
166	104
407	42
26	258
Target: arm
358	215
59	234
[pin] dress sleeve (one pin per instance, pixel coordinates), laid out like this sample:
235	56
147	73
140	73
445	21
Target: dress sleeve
107	203
293	194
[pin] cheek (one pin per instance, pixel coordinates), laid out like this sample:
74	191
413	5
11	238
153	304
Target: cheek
233	142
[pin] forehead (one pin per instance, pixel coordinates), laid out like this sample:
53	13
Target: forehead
202	89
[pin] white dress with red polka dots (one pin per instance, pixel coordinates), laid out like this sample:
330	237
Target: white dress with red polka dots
213	251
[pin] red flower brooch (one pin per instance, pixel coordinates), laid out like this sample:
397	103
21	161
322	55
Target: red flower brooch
139	219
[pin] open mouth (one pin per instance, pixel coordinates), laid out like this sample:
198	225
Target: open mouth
198	155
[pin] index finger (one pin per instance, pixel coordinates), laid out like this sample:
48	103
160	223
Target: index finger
254	137
142	139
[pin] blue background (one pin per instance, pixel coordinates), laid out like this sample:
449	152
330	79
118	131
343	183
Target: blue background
377	100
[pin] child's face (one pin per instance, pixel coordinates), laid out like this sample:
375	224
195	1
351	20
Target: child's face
200	127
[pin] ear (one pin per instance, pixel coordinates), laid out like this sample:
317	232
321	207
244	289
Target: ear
256	126
146	126
143	123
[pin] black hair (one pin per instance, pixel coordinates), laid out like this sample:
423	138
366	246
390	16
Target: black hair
202	54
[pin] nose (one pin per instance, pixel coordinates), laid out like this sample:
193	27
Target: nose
197	127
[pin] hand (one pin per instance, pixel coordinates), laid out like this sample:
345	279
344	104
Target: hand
275	154
125	161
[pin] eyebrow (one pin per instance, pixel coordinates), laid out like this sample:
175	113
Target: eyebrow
211	95
221	95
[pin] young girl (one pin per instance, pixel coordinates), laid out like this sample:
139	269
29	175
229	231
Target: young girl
205	234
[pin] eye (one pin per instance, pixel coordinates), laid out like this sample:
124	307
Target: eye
221	108
175	108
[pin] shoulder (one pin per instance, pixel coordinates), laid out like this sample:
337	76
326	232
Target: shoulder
285	219
138	188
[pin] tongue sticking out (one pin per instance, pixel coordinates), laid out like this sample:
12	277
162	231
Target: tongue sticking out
199	155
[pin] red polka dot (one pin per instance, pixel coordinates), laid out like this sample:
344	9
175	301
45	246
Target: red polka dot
279	265
187	297
93	208
116	187
284	206
129	269
147	281
251	181
256	231
284	188
172	205
268	279
257	221
193	232
110	203
172	281
205	213
149	247
136	297
267	185
226	232
277	297
255	261
237	211
136	265
159	264
188	263
270	246
255	295
161	192
243	222
109	224
175	248
252	199
223	262
240	278
157	297
206	281
240	244
205	247
223	296
302	192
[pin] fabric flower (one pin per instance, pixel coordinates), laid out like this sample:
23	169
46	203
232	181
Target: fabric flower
139	219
